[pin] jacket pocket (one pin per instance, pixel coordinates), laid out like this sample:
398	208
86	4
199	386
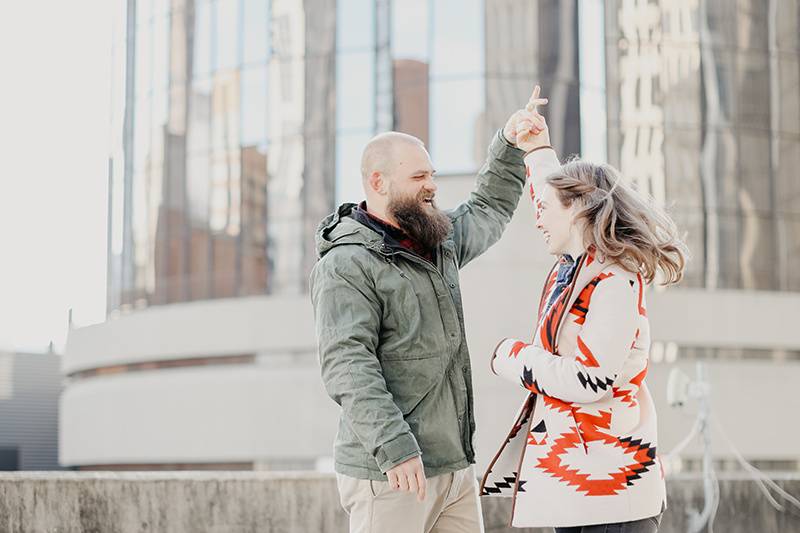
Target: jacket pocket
576	427
410	377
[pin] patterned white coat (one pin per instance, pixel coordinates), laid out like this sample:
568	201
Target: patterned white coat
582	449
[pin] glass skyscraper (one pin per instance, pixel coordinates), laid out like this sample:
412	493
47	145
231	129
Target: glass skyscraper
239	123
704	114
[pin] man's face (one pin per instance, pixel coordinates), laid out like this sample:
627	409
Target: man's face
411	197
412	177
553	220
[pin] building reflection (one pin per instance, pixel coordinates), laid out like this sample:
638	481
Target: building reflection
193	213
695	101
706	120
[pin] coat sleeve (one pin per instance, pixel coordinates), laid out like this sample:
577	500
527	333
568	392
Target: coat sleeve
347	315
479	222
539	164
603	344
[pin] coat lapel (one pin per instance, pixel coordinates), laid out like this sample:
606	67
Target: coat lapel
550	325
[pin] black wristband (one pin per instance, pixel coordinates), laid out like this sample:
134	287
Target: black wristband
538	148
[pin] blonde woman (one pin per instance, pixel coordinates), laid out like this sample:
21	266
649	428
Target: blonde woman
581	454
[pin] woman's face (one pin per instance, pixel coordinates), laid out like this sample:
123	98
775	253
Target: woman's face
555	221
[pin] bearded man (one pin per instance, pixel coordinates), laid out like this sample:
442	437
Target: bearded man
390	329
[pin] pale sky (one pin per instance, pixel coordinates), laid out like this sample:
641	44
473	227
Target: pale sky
54	137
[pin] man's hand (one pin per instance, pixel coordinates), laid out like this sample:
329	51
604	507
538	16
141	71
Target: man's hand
409	477
529	114
532	131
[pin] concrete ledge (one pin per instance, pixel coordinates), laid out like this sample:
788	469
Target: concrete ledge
239	502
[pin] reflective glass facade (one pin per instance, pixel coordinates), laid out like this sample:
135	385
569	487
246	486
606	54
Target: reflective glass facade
418	68
209	164
704	114
189	170
238	124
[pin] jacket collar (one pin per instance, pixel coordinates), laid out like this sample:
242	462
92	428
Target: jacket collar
340	228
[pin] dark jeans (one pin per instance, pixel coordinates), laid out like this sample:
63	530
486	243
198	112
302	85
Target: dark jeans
648	525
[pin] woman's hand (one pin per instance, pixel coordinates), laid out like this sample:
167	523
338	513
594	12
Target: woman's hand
532	133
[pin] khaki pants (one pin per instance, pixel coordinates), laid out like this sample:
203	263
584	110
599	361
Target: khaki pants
451	506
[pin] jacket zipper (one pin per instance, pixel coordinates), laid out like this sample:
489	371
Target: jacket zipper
430	266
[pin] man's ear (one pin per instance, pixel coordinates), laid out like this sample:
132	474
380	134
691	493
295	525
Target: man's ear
377	182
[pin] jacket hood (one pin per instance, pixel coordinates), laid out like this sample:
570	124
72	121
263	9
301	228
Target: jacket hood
340	228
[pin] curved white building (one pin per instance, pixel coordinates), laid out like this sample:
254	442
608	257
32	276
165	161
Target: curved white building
216	384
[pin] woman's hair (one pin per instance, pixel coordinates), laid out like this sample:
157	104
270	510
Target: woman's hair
620	223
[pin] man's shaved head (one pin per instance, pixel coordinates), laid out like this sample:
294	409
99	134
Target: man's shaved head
380	152
398	180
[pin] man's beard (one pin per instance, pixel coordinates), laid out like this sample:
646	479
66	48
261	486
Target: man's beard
427	228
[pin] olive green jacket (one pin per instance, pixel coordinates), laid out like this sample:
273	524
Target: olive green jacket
390	329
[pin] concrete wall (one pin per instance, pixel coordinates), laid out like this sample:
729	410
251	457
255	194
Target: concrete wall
193	502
